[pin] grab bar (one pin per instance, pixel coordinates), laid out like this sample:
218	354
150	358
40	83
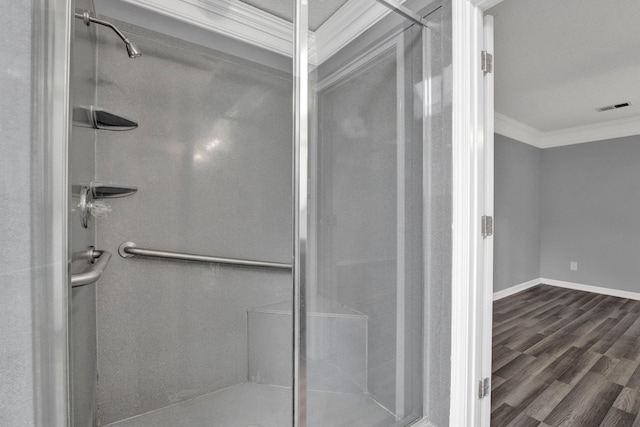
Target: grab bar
94	272
129	249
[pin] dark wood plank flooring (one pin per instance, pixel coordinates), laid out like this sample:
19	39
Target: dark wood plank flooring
565	358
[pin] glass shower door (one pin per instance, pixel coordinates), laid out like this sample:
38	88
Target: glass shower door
364	289
182	342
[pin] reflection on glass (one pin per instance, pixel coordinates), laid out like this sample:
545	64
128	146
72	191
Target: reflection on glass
364	332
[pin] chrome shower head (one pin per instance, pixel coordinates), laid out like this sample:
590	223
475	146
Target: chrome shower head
86	17
132	50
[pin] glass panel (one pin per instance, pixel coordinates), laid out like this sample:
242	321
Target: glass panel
365	294
190	343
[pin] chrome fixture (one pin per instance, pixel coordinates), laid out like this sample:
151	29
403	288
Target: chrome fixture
97	118
99	261
129	249
89	255
89	196
89	206
110	191
86	17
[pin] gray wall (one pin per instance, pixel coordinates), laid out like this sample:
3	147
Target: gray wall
212	161
590	210
16	180
581	200
517	212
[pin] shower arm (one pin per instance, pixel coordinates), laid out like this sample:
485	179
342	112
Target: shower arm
88	19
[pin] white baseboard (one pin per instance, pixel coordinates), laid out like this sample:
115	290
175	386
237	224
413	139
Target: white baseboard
568	285
515	289
590	288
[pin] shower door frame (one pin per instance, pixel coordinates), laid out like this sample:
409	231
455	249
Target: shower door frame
52	23
300	208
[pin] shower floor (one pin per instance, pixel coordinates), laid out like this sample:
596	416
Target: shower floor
258	405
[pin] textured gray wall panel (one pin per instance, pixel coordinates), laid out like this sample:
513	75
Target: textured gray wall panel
16	266
438	248
590	211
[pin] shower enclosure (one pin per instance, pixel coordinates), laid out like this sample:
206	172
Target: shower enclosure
258	213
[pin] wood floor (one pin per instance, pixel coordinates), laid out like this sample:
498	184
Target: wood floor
565	358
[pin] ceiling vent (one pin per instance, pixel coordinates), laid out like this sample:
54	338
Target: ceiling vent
613	107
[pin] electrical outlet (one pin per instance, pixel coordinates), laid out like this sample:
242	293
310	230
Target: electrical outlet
573	266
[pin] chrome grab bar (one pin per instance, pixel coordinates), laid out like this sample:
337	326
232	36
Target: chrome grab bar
129	249
94	272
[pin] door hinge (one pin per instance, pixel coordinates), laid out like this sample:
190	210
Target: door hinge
486	60
484	388
487	226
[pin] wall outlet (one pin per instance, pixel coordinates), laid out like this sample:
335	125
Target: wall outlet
573	266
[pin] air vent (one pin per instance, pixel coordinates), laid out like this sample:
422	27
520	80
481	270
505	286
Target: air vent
614	107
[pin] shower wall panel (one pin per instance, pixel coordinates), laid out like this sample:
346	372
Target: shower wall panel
19	205
212	161
438	216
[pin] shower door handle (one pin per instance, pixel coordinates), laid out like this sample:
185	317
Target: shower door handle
93	273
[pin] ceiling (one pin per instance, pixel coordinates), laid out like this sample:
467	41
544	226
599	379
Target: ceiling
556	62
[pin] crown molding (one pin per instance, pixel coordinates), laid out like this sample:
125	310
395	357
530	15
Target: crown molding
596	132
350	21
232	18
514	129
249	24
